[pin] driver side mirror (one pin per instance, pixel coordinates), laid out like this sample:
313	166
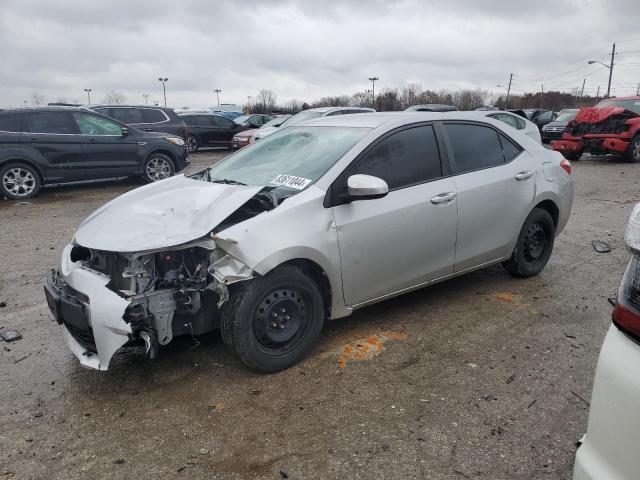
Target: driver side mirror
365	187
125	131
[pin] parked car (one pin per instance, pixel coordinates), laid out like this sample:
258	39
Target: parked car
145	118
244	138
610	447
519	112
310	114
540	116
612	126
252	121
310	223
525	126
553	130
209	130
46	145
431	107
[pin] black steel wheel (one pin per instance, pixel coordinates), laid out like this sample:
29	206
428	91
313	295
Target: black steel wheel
534	245
632	155
273	321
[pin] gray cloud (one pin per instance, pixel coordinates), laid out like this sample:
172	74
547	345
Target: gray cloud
307	49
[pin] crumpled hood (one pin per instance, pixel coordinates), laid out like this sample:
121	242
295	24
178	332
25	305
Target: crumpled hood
595	115
162	214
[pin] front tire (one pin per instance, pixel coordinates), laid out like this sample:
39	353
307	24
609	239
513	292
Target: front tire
192	144
534	245
272	322
632	155
18	181
572	156
158	167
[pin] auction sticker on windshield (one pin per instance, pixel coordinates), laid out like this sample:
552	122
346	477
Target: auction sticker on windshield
290	181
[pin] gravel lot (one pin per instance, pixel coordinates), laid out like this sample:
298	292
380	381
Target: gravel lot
485	376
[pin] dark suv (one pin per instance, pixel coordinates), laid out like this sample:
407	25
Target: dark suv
209	130
146	118
47	145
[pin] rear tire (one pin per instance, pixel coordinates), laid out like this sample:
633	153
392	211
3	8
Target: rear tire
272	322
632	155
192	144
158	167
572	156
19	180
534	245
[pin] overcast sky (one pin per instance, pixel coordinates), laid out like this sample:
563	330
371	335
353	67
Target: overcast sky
308	49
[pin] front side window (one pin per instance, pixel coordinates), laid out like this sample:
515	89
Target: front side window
10	123
220	121
48	122
295	156
474	146
94	125
402	159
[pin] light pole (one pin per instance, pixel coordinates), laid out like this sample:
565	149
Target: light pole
217	90
610	67
88	90
146	98
373	81
164	89
25	103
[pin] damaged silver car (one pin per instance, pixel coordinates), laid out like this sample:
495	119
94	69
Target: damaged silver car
308	224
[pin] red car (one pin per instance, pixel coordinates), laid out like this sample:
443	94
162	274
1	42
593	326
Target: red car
612	126
244	138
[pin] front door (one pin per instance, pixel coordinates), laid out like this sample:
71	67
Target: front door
407	237
106	151
496	182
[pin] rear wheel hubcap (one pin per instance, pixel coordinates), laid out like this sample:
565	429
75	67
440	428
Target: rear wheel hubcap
19	181
535	243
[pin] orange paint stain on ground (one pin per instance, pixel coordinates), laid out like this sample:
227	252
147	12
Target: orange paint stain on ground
366	348
503	297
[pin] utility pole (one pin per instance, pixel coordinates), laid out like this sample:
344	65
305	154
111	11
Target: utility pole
598	93
25	103
217	90
88	90
164	89
146	98
541	94
638	91
581	93
373	81
506	103
613	54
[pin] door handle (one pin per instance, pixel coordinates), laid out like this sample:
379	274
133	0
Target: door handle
524	175
443	198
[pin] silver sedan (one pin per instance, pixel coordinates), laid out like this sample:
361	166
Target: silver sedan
310	223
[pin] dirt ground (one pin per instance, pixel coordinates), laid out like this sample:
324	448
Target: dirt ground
485	376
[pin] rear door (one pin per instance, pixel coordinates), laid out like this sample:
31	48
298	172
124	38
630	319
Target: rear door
407	237
54	136
495	179
224	129
106	152
202	128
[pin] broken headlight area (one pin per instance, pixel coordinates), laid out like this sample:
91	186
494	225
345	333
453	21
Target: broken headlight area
171	292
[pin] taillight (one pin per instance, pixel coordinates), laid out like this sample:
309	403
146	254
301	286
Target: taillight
626	316
566	165
186	133
627	320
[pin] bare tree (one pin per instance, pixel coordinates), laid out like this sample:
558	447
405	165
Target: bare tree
410	95
266	101
37	99
293	106
114	98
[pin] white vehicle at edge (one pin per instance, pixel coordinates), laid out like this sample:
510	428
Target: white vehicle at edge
308	224
610	447
525	126
309	114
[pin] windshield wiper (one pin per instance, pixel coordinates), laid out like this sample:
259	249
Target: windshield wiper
226	181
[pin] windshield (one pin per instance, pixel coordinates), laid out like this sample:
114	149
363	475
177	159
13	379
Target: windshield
274	123
241	119
632	104
566	116
291	158
301	117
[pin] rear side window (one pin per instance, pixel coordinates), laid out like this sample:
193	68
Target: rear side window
10	123
48	122
474	146
153	115
219	121
126	115
190	121
402	159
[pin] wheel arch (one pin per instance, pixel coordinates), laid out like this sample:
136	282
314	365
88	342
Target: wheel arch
31	163
168	153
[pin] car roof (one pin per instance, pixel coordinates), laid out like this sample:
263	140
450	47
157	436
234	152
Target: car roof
128	106
337	109
48	108
379	119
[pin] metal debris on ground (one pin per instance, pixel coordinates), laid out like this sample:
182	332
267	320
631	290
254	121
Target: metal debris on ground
601	247
613	301
11	336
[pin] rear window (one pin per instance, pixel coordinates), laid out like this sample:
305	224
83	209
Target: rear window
127	115
10	123
48	122
153	115
474	146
